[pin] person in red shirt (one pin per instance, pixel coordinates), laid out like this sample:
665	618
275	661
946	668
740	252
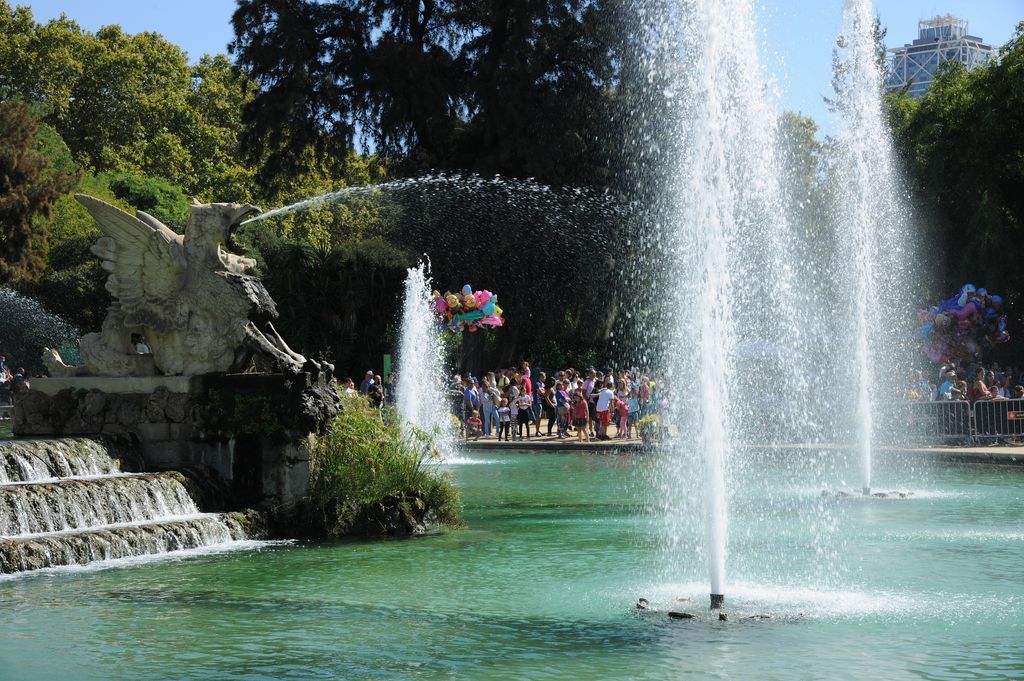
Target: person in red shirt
527	382
978	390
623	419
474	426
580	416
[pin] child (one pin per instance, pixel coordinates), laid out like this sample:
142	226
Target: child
623	420
580	416
633	404
525	414
474	425
504	418
513	412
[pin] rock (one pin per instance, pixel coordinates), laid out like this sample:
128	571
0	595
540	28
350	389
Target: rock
156	404
680	615
642	604
177	407
394	515
879	495
94	404
755	618
128	411
62	407
723	617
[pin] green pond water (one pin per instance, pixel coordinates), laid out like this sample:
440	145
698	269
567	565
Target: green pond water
542	585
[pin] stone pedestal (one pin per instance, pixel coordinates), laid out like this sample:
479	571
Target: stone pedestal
250	428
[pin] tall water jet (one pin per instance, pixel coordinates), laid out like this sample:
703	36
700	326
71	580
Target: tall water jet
869	214
422	398
725	235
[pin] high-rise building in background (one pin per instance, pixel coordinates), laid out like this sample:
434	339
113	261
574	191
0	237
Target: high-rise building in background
939	40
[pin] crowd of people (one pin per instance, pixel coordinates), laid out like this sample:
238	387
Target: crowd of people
519	403
970	382
510	404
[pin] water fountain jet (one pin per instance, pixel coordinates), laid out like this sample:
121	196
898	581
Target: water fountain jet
870	217
421	371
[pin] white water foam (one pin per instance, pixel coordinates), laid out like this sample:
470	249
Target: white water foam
170	556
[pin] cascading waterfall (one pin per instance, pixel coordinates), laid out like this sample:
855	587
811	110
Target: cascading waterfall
869	214
422	399
68	502
52	460
77	504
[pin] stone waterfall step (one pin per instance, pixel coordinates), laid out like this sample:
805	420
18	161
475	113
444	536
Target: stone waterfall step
32	508
27	460
73	501
56	549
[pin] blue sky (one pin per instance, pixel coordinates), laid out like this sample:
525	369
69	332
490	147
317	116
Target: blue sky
796	35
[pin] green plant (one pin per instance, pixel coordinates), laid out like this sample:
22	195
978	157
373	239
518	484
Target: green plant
648	427
366	455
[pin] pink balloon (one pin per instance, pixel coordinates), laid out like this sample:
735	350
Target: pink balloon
965	312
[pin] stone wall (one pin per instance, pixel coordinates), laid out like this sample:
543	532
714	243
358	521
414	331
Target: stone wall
250	428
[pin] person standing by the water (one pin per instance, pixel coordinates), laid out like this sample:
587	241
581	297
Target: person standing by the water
490	398
538	400
562	400
604	417
504	420
580	416
472	401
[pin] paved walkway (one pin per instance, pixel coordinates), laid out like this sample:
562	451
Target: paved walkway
991	454
551	443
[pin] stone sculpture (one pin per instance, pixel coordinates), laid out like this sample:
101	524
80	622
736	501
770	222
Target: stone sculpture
187	295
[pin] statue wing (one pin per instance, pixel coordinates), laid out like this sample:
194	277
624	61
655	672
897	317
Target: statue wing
147	265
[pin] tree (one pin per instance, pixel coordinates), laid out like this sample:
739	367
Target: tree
29	186
154	195
962	144
128	103
521	89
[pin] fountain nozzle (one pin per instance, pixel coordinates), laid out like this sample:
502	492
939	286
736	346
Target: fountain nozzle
866	491
717	601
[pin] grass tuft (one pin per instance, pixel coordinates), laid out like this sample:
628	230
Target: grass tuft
365	456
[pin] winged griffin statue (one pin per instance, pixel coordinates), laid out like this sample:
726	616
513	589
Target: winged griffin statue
187	295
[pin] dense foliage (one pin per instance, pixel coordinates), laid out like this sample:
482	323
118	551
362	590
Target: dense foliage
29	186
365	456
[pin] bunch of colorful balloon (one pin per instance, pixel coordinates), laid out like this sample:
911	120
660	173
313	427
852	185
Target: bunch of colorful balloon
468	309
962	327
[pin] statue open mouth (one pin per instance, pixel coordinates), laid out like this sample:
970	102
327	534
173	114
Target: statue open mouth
230	245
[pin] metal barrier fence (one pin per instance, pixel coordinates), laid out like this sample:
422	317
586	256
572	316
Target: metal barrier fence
948	422
994	419
925	422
